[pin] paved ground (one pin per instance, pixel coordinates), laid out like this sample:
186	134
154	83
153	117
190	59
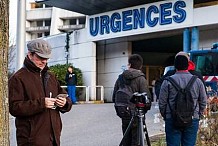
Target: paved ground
95	125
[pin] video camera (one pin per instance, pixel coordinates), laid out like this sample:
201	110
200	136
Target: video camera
141	101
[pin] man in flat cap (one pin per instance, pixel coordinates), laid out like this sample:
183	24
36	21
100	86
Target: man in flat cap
36	99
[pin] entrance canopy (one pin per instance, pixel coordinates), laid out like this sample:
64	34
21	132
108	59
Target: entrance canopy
91	7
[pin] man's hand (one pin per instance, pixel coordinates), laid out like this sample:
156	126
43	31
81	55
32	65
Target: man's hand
50	102
61	101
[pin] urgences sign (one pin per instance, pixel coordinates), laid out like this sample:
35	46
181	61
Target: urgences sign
141	19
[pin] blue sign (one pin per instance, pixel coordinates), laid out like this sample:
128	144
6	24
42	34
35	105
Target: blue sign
145	17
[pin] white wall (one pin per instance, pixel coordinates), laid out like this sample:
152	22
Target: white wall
207	38
111	59
39	14
55	21
82	56
205	15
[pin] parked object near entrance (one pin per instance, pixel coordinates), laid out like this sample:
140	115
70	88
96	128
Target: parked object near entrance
206	62
168	68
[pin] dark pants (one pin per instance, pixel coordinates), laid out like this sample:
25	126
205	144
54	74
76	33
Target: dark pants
72	93
131	138
186	137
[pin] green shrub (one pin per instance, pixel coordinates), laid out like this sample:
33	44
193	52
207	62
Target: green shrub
60	71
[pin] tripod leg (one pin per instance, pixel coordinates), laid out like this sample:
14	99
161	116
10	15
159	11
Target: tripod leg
146	135
141	129
127	130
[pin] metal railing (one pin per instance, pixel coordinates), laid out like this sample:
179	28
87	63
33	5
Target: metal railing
90	92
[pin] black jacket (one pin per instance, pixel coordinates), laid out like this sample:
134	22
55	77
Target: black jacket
71	79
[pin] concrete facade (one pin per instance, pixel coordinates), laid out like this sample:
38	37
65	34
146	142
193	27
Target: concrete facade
42	20
102	61
112	59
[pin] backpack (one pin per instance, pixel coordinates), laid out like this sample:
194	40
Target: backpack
183	109
123	107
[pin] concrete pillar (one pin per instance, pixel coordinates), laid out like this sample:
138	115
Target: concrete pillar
55	21
186	40
85	61
21	33
93	71
195	38
77	21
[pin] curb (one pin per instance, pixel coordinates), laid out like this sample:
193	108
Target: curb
91	102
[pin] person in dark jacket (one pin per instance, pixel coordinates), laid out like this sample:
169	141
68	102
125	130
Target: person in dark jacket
32	92
136	80
71	80
191	69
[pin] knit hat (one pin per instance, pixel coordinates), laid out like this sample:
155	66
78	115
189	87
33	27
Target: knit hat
183	54
181	62
40	47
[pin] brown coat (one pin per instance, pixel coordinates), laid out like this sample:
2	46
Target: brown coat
36	125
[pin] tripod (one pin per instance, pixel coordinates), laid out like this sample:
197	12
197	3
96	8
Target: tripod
142	129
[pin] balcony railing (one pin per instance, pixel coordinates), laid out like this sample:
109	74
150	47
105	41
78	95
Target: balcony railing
38	29
67	28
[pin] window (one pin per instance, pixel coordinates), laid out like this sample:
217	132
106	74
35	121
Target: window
206	63
46	33
39	23
72	21
82	20
47	22
39	35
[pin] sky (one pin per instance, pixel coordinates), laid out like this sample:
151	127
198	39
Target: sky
12	20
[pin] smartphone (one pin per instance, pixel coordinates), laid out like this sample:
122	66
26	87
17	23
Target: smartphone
62	95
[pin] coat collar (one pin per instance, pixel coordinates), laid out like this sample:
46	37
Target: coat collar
32	67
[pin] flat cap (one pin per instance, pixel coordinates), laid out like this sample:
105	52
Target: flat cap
40	47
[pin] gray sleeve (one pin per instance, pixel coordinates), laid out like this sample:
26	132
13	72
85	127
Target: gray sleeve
163	97
202	98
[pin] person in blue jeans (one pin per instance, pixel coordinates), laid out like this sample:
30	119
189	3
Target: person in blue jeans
185	136
71	80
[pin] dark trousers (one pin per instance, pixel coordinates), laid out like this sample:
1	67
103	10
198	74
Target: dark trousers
186	137
131	138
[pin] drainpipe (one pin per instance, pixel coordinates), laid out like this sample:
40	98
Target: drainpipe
195	38
21	33
186	40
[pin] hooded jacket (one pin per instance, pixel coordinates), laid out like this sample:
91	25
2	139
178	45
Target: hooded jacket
136	80
36	125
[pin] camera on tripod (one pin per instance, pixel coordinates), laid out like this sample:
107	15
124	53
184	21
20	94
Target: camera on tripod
141	101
